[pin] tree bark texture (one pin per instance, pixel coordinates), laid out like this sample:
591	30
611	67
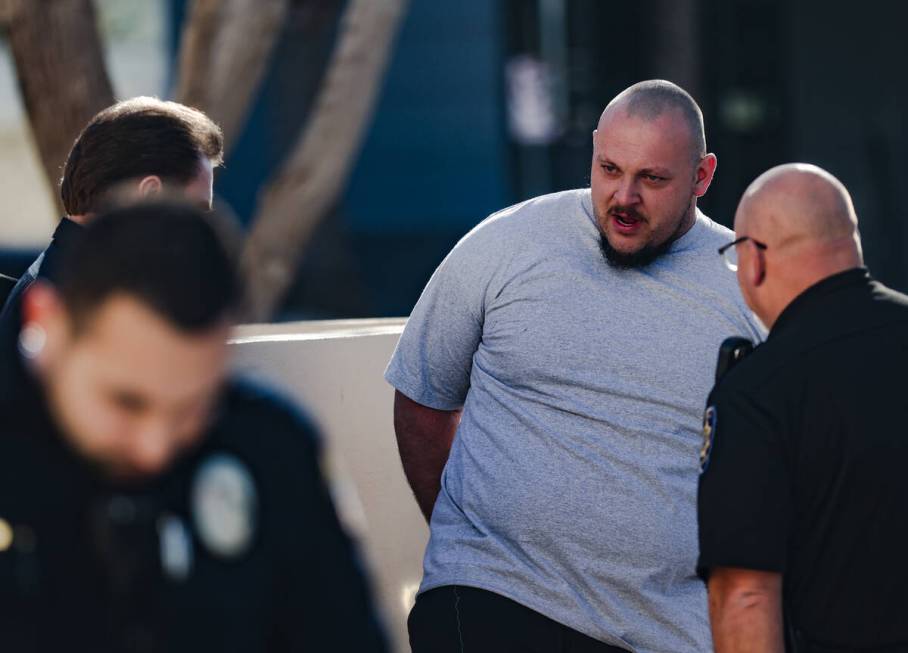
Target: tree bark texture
225	50
675	42
312	178
60	70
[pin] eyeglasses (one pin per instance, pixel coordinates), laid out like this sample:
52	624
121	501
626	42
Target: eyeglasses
730	251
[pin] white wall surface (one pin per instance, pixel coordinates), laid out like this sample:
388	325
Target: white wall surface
334	370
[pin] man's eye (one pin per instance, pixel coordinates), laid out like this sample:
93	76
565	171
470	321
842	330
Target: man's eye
609	168
653	178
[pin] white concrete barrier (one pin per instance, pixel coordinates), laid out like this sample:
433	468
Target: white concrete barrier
334	370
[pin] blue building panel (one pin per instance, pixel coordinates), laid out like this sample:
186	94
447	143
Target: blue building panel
435	157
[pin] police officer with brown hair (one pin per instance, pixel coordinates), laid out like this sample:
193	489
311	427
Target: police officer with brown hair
147	503
135	148
803	491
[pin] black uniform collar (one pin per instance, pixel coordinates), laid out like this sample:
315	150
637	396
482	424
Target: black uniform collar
66	228
16	382
817	294
66	232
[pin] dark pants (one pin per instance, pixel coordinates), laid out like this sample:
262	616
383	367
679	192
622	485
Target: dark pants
457	619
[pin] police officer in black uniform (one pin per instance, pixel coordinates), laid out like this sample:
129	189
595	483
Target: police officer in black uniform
146	504
803	501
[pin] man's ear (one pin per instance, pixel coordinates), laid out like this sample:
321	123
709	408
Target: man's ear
150	186
755	267
704	174
45	315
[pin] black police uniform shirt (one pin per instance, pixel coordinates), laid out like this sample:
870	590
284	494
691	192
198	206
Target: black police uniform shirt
236	548
46	266
808	469
7	284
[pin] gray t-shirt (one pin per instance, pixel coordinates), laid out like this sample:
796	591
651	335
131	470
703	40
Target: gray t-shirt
571	484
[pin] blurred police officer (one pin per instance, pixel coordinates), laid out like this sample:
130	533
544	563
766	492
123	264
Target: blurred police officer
145	503
135	148
802	504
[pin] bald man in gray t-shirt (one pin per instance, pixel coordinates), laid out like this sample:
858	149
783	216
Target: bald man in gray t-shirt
570	342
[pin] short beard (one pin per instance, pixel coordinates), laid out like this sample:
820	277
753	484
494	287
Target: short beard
643	256
639	259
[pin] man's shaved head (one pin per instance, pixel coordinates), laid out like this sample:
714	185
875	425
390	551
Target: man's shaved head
650	99
649	167
803	219
798	202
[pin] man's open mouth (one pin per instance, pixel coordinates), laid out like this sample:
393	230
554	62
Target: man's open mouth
625	219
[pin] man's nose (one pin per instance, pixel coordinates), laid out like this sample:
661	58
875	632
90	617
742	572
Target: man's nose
627	193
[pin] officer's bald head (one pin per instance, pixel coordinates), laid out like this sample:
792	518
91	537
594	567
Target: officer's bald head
799	203
805	219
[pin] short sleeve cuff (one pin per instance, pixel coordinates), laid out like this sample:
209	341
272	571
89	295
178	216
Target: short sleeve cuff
407	386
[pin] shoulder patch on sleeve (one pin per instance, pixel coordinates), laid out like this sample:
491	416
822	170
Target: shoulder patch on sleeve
709	434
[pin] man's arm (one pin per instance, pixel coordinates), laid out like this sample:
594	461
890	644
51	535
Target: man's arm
424	437
745	610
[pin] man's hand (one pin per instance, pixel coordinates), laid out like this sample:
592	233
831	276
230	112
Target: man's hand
745	610
424	437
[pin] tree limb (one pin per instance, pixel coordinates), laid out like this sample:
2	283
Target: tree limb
226	46
60	69
312	178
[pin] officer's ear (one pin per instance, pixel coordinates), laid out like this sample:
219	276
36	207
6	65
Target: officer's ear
45	324
754	267
150	186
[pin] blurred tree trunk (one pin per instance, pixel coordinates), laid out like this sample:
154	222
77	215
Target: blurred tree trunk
226	46
224	54
60	69
311	180
675	43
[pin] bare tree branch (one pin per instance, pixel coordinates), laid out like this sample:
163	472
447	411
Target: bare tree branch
8	9
60	69
196	45
225	51
312	178
674	37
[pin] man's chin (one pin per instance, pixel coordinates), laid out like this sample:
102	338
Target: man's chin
637	258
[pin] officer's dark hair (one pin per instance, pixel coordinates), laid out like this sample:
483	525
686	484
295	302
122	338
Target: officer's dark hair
136	138
174	258
651	98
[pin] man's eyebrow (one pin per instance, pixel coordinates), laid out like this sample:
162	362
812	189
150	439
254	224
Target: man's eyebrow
656	172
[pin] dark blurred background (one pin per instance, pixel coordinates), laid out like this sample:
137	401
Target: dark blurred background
486	103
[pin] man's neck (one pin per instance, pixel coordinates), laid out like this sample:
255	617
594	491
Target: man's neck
80	220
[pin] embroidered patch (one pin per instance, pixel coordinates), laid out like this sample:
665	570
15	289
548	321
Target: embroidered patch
224	505
709	434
